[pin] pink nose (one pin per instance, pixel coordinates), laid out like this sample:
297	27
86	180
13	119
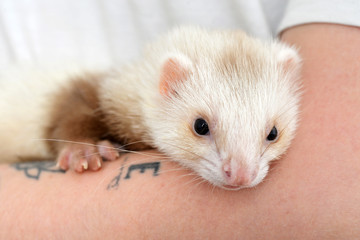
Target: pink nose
238	177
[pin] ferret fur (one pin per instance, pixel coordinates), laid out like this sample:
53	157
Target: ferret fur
240	85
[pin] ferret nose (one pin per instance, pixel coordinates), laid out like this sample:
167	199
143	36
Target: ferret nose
238	177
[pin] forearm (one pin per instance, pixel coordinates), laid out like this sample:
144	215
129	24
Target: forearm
136	196
38	201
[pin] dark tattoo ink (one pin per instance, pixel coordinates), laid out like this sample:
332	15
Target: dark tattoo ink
114	184
142	167
33	170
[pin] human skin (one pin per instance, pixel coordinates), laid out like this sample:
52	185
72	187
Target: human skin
313	192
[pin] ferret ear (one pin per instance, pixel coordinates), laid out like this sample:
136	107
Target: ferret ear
175	69
289	59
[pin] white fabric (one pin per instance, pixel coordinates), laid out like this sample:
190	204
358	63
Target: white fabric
115	31
330	11
112	30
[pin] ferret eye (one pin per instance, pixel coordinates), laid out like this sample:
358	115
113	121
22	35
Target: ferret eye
201	127
272	135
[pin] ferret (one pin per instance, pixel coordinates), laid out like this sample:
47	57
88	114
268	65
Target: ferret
218	102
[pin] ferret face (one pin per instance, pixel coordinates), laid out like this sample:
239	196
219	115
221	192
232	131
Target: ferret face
228	120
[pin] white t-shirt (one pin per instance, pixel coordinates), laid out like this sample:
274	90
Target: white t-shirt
320	11
115	31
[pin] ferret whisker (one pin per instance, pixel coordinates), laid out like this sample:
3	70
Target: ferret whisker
132	143
177	181
191	174
151	156
63	141
171	170
267	147
198	181
195	179
213	188
282	113
286	125
145	154
183	149
108	147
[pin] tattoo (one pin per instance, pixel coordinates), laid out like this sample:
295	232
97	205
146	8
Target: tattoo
114	184
33	170
142	167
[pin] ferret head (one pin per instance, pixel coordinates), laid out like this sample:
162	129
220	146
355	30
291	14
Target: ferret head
227	112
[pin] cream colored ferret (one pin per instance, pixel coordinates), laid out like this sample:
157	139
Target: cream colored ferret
219	102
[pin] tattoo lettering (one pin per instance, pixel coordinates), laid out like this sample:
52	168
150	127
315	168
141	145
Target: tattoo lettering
142	167
33	170
114	184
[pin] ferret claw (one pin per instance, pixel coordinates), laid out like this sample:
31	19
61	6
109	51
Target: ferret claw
85	165
82	157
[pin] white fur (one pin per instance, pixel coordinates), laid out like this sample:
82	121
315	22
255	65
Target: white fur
25	96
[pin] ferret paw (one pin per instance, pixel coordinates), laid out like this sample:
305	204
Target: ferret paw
86	156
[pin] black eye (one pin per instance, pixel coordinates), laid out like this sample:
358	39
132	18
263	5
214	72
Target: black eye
201	127
272	135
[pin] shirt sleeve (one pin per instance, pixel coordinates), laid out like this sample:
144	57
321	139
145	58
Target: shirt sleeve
299	12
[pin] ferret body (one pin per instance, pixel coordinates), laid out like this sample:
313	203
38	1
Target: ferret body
218	102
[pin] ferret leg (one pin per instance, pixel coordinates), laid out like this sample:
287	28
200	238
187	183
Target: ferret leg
77	129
